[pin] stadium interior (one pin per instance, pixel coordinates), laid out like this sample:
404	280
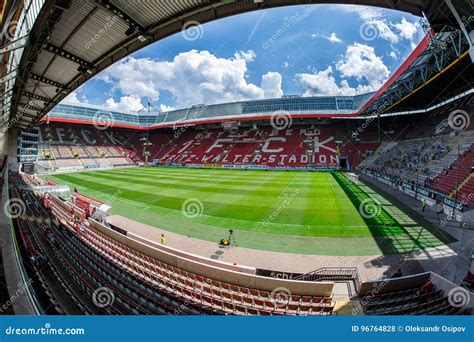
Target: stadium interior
219	209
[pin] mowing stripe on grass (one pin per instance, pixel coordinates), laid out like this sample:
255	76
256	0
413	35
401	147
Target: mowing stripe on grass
300	212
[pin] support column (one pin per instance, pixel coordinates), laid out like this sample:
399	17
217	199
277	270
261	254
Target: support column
8	147
462	27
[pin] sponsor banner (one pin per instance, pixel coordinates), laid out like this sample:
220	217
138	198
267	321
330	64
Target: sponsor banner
249	167
211	166
70	168
426	193
409	192
453	204
174	328
277	274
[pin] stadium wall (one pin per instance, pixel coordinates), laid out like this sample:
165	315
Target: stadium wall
238	275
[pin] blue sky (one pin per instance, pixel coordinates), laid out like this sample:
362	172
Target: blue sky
297	50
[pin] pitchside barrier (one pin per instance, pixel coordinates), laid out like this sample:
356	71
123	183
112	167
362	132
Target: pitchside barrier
353	177
218	270
251	167
450	207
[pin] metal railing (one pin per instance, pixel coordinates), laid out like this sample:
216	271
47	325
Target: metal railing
336	274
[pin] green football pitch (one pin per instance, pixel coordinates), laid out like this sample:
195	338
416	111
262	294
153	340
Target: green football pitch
286	211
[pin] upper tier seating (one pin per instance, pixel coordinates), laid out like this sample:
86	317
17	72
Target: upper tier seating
299	145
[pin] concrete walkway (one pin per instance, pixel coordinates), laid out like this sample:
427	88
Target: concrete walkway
370	267
449	261
19	299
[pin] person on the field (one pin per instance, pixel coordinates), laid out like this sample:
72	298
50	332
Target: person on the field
163	239
423	205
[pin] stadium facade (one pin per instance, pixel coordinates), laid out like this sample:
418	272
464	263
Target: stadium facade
288	106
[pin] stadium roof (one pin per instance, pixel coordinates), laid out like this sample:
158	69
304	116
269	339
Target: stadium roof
60	44
296	107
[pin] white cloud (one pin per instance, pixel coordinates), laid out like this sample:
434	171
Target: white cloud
376	18
165	108
384	31
248	56
407	29
271	85
333	38
323	83
360	62
130	103
192	77
71	98
366	13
